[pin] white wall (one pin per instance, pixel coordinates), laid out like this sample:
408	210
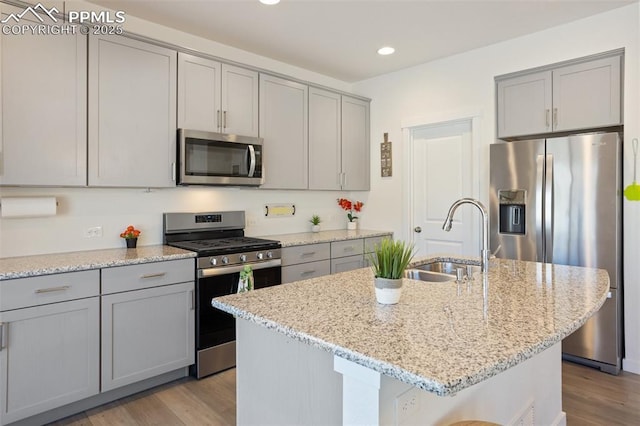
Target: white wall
463	83
114	209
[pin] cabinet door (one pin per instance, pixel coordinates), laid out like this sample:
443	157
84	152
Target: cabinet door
325	164
283	126
49	357
348	263
132	113
199	82
239	101
587	95
355	144
43	138
304	271
146	333
524	105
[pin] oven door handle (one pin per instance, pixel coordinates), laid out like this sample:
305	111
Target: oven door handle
214	272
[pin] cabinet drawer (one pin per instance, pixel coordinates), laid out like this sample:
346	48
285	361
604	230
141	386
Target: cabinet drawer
305	254
33	291
146	275
343	264
305	271
369	243
347	248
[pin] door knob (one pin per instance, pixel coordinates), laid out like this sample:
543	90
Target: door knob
417	229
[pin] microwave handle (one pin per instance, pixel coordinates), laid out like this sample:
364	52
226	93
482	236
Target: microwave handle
252	160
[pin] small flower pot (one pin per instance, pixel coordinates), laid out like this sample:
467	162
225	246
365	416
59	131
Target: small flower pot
388	291
315	228
351	226
131	242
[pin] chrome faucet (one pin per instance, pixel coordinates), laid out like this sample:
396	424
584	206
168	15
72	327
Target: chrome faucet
484	253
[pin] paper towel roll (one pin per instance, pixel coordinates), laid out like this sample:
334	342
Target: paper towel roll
27	207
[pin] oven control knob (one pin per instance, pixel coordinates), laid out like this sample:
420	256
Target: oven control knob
269	254
260	256
214	261
243	258
225	259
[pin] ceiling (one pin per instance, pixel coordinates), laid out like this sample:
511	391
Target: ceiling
340	38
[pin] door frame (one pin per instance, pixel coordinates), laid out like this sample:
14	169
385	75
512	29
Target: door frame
409	126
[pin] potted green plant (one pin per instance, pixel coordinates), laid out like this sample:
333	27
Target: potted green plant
315	222
389	260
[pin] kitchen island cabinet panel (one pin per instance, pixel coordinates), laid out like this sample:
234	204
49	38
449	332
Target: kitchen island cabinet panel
146	333
132	113
49	357
284	128
43	136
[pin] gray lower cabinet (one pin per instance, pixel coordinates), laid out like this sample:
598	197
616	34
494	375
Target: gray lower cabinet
49	343
306	261
64	339
148	330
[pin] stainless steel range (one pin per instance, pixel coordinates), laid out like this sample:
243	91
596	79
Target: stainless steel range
223	251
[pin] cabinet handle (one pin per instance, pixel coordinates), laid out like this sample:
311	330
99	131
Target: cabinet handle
546	117
155	275
309	253
193	300
3	335
224	120
349	249
555	118
52	289
173	171
308	272
219	124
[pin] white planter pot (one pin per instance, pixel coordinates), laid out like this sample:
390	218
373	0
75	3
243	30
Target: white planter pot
352	225
388	291
315	228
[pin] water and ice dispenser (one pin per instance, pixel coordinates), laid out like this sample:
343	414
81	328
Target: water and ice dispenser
512	211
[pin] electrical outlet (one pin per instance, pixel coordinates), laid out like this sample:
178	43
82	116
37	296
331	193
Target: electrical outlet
93	232
407	406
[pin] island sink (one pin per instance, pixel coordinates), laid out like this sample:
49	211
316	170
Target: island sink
441	271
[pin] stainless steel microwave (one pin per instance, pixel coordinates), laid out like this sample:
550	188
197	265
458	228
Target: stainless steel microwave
206	158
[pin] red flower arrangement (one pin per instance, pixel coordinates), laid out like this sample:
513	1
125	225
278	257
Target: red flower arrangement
349	207
130	232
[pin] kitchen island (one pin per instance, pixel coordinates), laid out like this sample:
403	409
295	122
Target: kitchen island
322	351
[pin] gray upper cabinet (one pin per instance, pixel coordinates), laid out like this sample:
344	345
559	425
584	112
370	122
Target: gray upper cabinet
585	94
283	126
132	113
338	141
199	98
216	97
524	105
325	158
43	108
355	144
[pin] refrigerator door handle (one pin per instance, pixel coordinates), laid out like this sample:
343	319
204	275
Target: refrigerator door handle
548	209
539	209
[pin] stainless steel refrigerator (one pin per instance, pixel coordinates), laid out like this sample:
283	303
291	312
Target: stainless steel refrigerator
558	200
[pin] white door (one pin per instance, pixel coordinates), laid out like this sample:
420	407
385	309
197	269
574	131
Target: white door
441	156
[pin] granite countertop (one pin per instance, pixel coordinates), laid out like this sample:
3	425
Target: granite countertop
302	238
30	266
441	337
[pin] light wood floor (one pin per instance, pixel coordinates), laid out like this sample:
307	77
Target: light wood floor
589	398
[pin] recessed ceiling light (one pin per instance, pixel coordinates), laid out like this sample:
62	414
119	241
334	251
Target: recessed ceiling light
269	2
386	50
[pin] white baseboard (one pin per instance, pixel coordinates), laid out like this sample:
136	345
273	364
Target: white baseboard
631	365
